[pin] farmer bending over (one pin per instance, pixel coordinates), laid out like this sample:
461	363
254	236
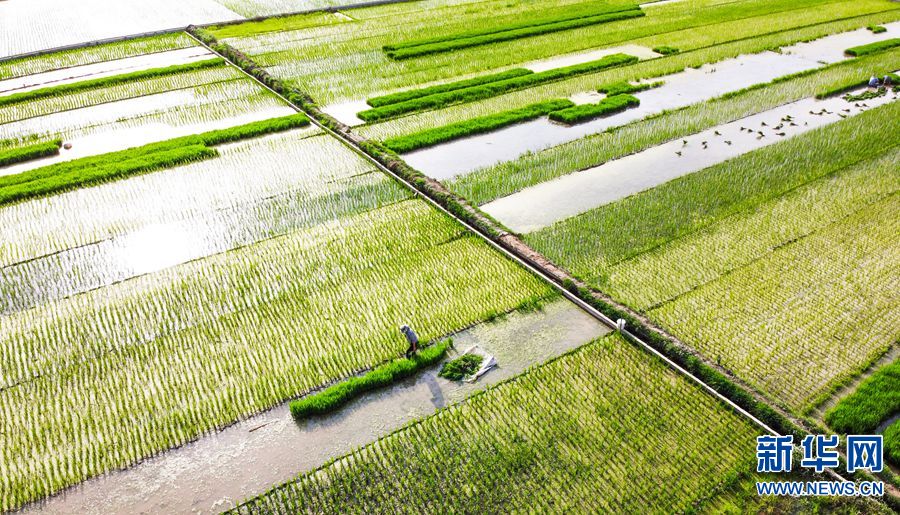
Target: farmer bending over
873	82
411	338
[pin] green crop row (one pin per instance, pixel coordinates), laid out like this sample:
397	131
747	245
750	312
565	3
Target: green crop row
475	126
876	29
337	395
851	83
874	401
103	82
403	96
514	449
871	48
408	51
492	89
115	165
30	152
586	112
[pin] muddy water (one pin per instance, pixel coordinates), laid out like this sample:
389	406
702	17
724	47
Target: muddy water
104	69
682	89
543	204
248	458
32	25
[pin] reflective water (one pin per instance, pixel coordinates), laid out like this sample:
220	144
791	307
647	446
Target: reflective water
543	204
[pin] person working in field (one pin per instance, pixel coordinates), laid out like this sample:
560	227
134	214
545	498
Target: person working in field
873	82
412	338
887	81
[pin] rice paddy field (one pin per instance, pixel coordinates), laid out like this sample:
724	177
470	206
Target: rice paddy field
206	227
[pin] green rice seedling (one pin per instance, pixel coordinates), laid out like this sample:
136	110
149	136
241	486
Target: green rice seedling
892	443
875	400
30	152
217	339
457	42
441	88
103	82
615	398
461	367
94	54
586	112
871	48
475	126
116	165
866	95
493	88
674	268
876	29
666	50
625	87
335	396
276	24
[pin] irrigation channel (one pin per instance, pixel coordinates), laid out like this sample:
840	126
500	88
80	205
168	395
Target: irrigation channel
221	469
569	195
691	86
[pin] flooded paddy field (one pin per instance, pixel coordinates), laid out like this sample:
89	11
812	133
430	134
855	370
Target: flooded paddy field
204	291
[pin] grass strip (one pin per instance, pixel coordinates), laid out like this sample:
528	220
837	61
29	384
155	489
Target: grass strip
103	82
876	399
493	88
871	48
474	126
587	112
116	165
876	29
36	151
458	43
892	443
624	87
341	393
441	88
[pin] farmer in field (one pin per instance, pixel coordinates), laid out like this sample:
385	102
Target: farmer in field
411	338
887	81
873	82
